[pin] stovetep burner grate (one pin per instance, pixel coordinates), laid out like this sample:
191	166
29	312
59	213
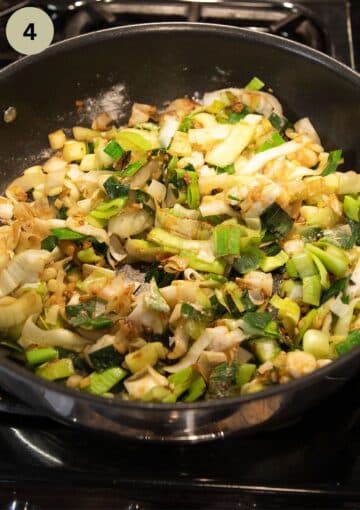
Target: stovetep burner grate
290	20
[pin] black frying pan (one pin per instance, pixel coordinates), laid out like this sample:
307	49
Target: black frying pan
157	63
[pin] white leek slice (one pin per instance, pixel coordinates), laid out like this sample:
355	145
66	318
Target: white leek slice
206	137
338	307
304	126
88	230
349	182
205	119
193	353
207	183
222	339
167	130
259	160
15	311
343	324
156	190
196	160
59	337
24	268
179	343
253	119
211	207
142	316
180	145
226	152
130	223
54	164
142	382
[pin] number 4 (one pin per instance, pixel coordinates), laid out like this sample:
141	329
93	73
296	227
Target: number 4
30	31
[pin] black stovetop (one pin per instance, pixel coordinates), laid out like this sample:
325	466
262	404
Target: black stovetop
311	464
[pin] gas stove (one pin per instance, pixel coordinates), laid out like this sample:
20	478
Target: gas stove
321	24
310	464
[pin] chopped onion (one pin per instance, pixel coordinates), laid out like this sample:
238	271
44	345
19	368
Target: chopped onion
207	137
26	182
179	343
59	337
304	126
24	268
175	264
221	339
144	174
54	180
54	164
257	280
130	223
142	382
183	212
88	230
184	291
168	129
157	190
267	196
338	307
266	103
213	207
115	289
196	160
208	360
142	316
343	324
15	311
116	249
193	353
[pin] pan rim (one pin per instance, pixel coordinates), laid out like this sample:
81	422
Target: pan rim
244	33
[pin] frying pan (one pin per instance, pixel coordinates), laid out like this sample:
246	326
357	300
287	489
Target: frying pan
156	63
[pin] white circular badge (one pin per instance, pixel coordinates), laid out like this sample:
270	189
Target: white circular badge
29	30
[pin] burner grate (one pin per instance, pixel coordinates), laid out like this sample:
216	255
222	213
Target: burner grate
317	24
291	21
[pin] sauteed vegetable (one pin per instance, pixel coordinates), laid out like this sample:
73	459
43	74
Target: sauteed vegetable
207	250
